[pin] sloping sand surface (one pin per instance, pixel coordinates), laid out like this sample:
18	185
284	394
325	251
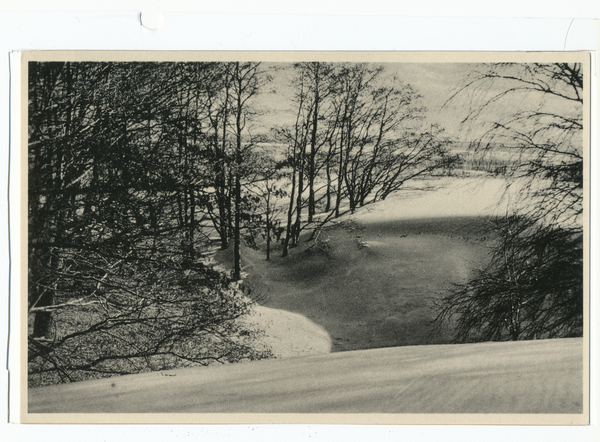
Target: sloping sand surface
375	284
446	197
288	334
513	377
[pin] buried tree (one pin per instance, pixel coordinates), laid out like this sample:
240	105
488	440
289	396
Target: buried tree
533	285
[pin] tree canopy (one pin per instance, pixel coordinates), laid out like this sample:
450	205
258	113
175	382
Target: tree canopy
121	180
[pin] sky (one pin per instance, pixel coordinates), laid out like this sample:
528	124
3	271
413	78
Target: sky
435	82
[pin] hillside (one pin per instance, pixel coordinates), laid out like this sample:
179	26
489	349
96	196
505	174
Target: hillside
348	318
509	377
371	279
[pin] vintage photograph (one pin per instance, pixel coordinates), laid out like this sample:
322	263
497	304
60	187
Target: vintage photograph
329	237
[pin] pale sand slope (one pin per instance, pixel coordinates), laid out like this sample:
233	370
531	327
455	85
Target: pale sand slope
288	334
509	377
292	334
448	197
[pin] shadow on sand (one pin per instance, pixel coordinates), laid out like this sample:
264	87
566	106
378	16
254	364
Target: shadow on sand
375	285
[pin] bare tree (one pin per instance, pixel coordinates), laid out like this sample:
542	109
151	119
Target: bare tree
361	127
246	81
533	286
118	167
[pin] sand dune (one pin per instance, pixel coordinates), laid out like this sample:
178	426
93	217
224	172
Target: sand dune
353	298
288	334
510	377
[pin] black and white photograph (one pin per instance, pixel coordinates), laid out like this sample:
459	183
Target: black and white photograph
317	237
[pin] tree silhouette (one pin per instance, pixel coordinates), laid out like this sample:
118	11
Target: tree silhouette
119	181
533	286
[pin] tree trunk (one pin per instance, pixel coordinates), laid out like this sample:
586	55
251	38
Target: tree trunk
225	196
296	231
313	152
329	186
192	252
338	198
237	259
290	213
268	215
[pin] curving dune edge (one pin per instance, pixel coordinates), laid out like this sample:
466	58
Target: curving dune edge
511	377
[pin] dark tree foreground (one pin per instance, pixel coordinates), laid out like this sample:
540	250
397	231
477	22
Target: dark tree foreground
125	161
533	285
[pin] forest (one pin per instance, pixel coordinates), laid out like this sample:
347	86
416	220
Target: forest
137	170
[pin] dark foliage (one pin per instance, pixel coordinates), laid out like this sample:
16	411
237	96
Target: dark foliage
533	286
144	316
531	289
120	172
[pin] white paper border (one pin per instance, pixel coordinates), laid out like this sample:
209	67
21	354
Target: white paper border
112	29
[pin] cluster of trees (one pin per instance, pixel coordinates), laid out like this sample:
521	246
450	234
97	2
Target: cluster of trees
534	284
357	137
127	161
133	167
